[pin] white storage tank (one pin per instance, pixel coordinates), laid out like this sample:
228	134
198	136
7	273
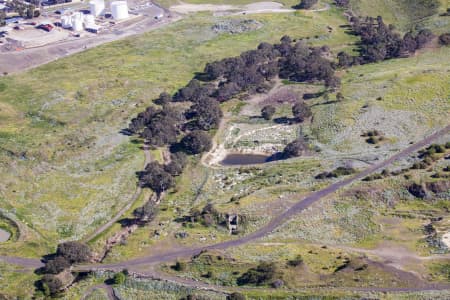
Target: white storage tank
77	21
77	24
97	7
119	10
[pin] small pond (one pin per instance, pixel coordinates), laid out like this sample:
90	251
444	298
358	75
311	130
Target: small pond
4	235
236	159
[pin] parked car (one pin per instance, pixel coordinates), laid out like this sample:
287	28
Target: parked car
46	27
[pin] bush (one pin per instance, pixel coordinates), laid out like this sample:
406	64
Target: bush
297	261
179	266
119	278
51	284
301	111
56	265
295	148
264	273
267	112
196	142
74	252
236	296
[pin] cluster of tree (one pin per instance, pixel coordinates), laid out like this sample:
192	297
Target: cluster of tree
204	114
158	126
67	253
380	41
264	273
146	213
252	69
306	4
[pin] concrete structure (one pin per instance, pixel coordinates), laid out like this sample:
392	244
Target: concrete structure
97	7
119	10
232	223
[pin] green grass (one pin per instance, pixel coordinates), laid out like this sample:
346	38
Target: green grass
16	283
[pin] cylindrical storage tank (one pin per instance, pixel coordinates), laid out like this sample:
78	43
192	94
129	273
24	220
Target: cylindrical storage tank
97	7
119	10
77	24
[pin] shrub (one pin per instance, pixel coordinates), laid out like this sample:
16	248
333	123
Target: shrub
51	284
267	112
179	266
236	296
297	261
264	273
119	278
295	148
301	111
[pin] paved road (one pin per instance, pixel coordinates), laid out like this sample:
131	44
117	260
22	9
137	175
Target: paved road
136	195
18	61
277	221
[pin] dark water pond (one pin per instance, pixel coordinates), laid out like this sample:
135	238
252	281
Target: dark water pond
235	159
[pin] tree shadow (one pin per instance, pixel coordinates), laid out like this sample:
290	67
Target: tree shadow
325	103
309	96
126	131
125	222
284	120
201	76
